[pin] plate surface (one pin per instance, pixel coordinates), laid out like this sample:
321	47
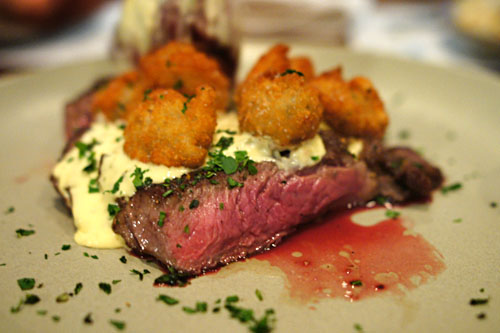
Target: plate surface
451	115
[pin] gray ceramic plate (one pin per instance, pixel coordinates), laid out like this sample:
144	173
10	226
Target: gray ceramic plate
451	114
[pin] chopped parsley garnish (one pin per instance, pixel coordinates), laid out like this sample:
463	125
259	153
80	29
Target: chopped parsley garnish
92	166
221	206
232	299
493	204
199	307
88	319
194	204
229	165
224	142
356	283
122	126
141	275
457	220
314	158
178	245
167	193
233	183
30	299
392	214
479	301
184	106
10	210
56	318
63	298
116	281
65	247
178	85
167	299
106	287
291	71
78	288
258	293
186	229
146	94
118	324
116	185
41	312
450	188
181	208
168	63
138	177
24	232
26	283
358	327
256	325
113	209
84	148
161	220
85	254
172	278
404	134
3	264
123	259
93	185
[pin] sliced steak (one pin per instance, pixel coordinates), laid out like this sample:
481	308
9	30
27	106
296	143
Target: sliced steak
218	225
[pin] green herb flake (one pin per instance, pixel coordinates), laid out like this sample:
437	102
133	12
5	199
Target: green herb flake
62	298
232	299
123	259
31	299
392	214
186	229
233	183
113	209
459	220
118	324
451	188
69	160
227	131
185	105
194	204
178	85
181	208
356	283
493	204
3	264
24	232
85	254
229	165
179	246
84	148
78	288
94	257
116	281
65	247
314	158
10	210
161	220
221	206
167	193
146	94
172	278
138	177
56	318
41	312
258	293
479	301
481	290
189	310
138	273
57	253
291	71
122	126
116	185
88	319
404	134
167	299
358	327
26	283
224	142
106	287
93	185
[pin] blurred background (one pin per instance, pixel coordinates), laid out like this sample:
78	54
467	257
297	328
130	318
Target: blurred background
46	33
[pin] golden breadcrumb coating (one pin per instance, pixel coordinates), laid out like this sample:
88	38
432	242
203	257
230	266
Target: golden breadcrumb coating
281	106
171	129
120	95
352	108
180	66
303	65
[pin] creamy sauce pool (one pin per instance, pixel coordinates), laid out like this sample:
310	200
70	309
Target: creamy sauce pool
90	210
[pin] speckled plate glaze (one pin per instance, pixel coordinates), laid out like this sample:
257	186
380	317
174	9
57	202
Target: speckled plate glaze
450	114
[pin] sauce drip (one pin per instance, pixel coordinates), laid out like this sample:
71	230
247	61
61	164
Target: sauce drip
338	258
